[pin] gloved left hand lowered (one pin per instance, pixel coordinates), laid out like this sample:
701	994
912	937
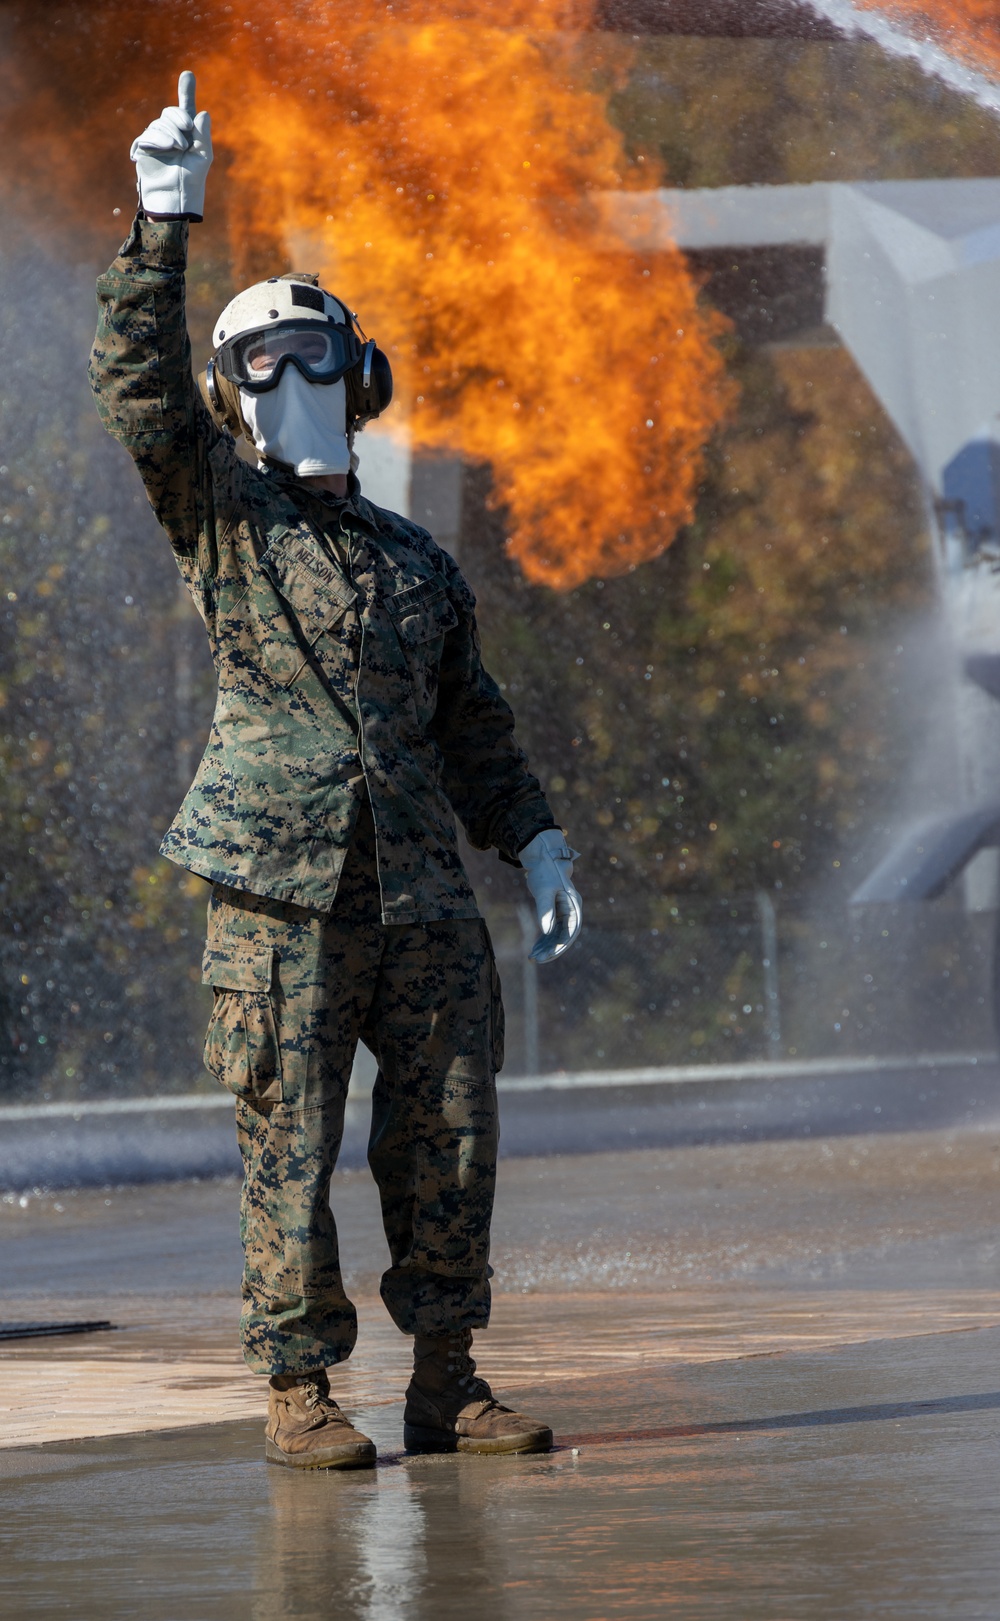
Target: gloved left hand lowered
172	159
548	868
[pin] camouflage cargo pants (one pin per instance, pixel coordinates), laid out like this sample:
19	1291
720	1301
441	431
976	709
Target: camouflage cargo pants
294	991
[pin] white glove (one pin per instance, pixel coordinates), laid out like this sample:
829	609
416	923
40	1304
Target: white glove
172	158
548	868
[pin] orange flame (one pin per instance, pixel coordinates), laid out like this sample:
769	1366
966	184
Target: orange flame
438	166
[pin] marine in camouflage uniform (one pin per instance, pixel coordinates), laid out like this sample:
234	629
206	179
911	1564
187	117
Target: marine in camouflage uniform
354	720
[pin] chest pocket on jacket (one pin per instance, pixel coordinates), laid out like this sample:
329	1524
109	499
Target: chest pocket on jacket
422	612
288	607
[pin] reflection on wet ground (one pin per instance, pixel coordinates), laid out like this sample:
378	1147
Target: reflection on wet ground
755	1501
800	1422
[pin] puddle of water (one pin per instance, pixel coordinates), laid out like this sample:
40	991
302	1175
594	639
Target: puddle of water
854	1483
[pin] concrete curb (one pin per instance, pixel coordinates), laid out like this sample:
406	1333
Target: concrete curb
555	1081
134	1140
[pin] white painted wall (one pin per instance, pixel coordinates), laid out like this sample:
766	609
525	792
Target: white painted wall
386	460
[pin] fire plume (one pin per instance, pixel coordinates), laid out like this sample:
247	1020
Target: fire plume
438	166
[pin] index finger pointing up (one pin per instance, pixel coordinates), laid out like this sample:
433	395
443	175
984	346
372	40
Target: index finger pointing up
185	93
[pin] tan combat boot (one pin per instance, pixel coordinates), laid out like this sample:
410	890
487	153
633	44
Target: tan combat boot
448	1409
307	1430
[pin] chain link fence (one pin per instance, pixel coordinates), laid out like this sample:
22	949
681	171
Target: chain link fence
750	978
709	981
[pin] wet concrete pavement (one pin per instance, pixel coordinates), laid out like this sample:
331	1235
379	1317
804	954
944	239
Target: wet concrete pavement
777	1363
882	1502
919	1207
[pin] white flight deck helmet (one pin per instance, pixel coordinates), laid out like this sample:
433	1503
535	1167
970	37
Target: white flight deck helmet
291	320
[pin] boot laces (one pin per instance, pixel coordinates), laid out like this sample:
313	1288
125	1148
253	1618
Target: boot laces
462	1364
316	1396
470	1382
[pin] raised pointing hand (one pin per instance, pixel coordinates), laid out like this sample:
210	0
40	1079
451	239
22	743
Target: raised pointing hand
172	158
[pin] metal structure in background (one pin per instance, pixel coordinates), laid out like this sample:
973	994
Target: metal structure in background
927	324
769	964
911	287
529	991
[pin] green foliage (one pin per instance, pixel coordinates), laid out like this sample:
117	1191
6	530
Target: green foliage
719	112
104	690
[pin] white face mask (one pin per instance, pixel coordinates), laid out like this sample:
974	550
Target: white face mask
302	423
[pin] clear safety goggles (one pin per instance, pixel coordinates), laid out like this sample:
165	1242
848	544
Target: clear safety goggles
256	360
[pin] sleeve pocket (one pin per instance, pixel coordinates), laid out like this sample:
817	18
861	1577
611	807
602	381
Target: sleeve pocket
130	388
422	611
242	1049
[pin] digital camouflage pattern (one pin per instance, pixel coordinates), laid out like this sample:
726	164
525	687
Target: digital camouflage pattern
344	640
294	992
354	717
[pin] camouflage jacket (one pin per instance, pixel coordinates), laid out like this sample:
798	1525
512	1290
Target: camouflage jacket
344	642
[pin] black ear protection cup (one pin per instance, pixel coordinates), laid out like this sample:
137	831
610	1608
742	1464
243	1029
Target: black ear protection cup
222	399
369	384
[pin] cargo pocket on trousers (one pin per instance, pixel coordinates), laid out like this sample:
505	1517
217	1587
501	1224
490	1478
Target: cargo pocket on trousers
242	1049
